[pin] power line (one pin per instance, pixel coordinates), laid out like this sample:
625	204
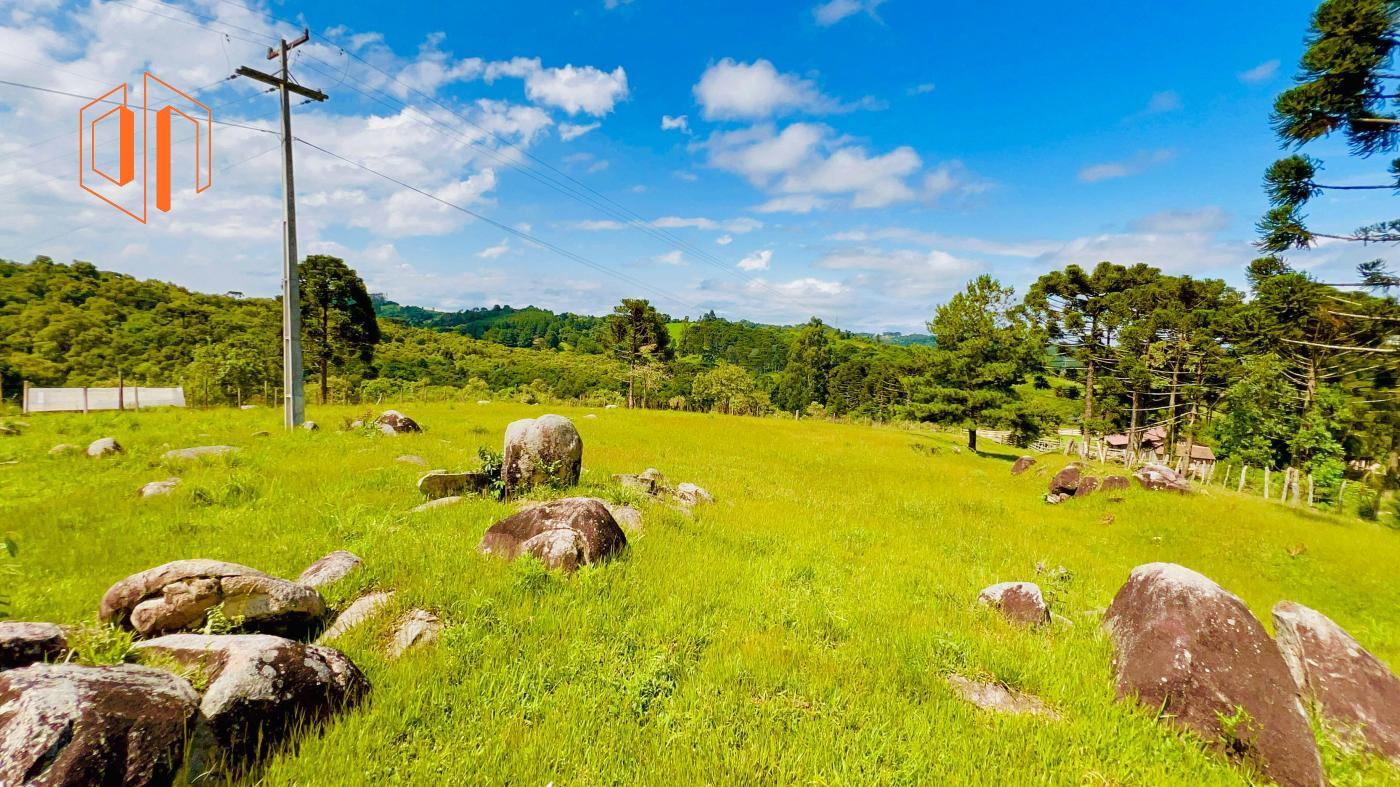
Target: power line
607	205
575	257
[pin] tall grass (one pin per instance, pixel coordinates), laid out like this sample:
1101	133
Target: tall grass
798	630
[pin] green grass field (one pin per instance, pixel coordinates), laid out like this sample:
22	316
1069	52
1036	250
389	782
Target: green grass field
799	630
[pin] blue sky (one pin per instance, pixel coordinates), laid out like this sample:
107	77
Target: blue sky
854	160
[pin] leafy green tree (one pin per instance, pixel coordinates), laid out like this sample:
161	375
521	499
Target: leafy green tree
727	388
986	345
338	323
637	333
804	378
1259	417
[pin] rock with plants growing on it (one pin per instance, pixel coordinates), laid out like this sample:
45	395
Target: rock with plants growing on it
179	596
104	446
538	451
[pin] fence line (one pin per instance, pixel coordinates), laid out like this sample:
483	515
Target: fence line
87	398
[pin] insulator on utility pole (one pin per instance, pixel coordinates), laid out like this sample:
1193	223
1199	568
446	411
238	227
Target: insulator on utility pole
293	397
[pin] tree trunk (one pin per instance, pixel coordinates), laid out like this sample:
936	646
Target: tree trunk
1088	399
325	380
631	382
1132	425
972	438
1171	408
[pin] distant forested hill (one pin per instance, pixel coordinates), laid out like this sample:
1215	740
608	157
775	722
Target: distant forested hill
505	325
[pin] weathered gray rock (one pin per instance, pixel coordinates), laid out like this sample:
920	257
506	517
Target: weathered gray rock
393	422
441	502
177	597
22	644
636	483
689	494
105	446
1189	648
998	698
1161	478
65	449
1055	497
418	628
410	459
260	689
157	488
440	484
331	568
1353	690
1087	485
360	610
262	433
627	517
311	426
186	454
65	724
1066	481
1022	464
563	533
1018	602
544	450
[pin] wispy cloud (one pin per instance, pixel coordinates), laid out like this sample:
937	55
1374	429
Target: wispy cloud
1110	170
833	11
1260	73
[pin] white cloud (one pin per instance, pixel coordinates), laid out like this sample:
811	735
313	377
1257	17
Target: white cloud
572	131
807	166
1165	101
793	203
678	123
1260	73
724	240
573	89
730	90
921	89
833	11
670	258
492	252
598	166
1209	219
758	261
1110	170
688	177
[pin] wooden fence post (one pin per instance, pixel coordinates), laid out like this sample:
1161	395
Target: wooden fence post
24	402
85	402
1310	490
1244	470
136	395
1297	483
121	393
1266	482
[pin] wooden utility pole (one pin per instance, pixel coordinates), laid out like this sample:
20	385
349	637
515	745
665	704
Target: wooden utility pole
293	397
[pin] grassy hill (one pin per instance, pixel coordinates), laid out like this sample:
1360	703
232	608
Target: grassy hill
797	631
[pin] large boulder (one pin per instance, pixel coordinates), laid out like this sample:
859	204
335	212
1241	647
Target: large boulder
331	568
1353	690
541	450
22	644
392	422
186	454
178	595
1161	478
1022	464
260	689
1019	602
105	446
1087	485
1190	650
563	533
65	724
1066	482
